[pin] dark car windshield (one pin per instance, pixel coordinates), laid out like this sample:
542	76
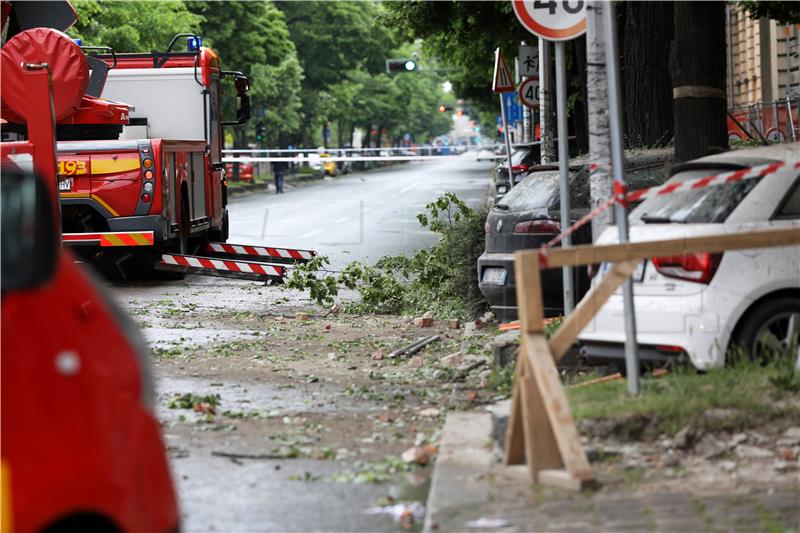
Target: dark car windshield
707	205
532	192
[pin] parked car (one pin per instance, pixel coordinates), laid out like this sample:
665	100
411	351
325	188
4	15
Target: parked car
698	306
529	215
245	171
523	157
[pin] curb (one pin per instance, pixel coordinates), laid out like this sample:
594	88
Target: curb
459	486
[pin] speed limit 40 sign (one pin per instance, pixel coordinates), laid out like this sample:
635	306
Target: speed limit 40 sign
552	20
529	92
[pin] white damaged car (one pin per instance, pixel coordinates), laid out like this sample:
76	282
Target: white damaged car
698	306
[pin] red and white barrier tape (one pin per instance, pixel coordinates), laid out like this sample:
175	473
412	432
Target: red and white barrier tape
223	264
622	196
263	251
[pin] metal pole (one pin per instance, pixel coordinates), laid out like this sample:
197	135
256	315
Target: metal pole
617	161
506	134
563	164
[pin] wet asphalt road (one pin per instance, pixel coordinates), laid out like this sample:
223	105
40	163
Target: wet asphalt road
360	216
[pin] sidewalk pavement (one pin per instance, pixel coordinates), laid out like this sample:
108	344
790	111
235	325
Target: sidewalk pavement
472	490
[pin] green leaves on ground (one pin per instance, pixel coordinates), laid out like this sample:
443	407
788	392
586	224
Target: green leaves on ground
440	279
189	400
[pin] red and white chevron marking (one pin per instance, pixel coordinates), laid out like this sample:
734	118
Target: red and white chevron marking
223	264
263	251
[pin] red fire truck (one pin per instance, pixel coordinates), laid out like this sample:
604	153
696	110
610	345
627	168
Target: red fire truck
80	446
141	177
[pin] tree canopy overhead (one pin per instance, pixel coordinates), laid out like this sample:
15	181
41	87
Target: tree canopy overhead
311	64
132	26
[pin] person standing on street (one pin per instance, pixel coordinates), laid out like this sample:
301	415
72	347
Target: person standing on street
279	169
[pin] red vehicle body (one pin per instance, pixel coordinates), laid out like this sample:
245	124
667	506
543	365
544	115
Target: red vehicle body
80	446
245	171
148	170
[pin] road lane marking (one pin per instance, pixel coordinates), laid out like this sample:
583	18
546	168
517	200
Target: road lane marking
311	233
406	189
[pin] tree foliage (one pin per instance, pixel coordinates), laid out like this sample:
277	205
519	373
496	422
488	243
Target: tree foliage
253	37
461	35
132	26
310	63
783	12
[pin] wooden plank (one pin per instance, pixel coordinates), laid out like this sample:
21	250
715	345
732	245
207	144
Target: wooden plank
569	329
541	448
587	254
540	360
515	436
529	294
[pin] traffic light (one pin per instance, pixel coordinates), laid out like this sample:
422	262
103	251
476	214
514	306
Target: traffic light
395	66
442	108
259	131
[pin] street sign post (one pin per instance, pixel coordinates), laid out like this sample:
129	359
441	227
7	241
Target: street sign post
503	83
558	21
617	162
528	58
529	92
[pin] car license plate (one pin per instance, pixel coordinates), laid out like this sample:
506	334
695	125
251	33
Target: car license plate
65	185
637	276
494	276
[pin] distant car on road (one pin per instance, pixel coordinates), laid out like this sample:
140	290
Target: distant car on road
529	216
485	154
523	158
246	171
697	306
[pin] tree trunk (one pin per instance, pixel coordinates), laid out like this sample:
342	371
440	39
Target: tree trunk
580	111
367	137
600	188
697	65
646	80
547	103
380	134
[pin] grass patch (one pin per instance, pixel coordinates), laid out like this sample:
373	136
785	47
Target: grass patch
754	393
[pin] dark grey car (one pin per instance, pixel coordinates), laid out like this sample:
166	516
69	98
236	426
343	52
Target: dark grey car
529	216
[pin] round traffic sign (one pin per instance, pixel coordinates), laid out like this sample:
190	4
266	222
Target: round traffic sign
529	92
552	20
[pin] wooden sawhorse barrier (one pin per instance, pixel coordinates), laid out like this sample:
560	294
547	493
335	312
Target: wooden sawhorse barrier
541	429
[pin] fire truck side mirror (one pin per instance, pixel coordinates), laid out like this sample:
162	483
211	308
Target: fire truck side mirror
242	85
29	245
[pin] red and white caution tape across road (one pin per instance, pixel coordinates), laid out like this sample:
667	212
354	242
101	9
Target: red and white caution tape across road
622	196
